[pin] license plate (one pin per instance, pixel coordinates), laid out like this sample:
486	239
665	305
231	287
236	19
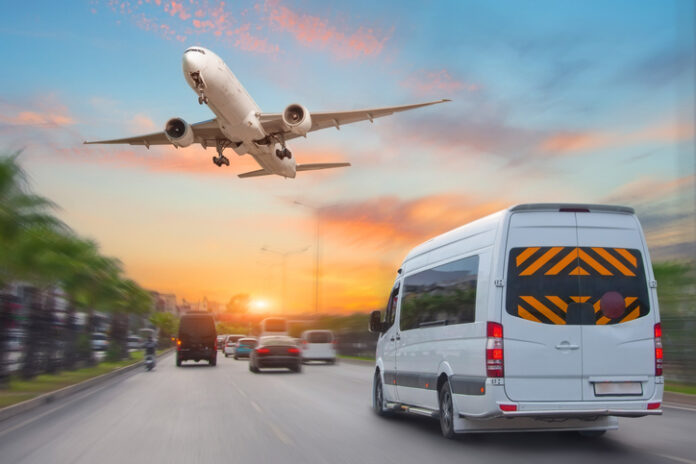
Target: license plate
618	388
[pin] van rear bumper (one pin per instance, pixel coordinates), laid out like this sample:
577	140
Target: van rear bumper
581	413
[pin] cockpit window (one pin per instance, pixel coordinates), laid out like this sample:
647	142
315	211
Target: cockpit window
195	50
576	286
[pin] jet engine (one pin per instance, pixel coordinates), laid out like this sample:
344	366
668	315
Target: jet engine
179	132
296	119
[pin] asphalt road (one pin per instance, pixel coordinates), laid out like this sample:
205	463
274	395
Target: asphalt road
199	414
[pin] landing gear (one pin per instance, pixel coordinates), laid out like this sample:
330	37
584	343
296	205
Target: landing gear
200	85
202	99
284	153
220	159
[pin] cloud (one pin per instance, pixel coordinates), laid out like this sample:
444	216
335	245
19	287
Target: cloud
315	31
43	112
649	189
659	68
436	82
570	142
142	123
396	224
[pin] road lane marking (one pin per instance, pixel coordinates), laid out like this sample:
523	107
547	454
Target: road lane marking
675	458
280	434
256	406
681	408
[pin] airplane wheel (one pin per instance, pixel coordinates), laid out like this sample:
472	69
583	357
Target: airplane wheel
200	100
205	100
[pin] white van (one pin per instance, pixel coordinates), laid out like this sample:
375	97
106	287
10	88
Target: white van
318	345
539	317
274	326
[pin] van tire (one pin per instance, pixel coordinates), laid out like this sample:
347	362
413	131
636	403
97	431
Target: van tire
446	411
378	397
178	362
591	433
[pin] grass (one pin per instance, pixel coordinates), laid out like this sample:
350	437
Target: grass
680	388
22	390
360	358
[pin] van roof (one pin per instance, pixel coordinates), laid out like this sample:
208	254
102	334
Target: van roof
572	206
491	222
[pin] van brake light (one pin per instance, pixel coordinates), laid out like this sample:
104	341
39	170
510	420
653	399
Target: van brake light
494	350
658	349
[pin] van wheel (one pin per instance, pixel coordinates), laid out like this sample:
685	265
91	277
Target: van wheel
178	362
378	397
446	411
591	433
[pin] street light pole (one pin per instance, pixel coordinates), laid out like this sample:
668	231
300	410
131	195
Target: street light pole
284	255
317	255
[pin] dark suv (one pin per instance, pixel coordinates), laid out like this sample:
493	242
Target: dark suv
197	338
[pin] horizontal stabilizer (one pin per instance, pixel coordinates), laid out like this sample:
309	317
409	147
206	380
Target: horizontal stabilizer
260	172
317	166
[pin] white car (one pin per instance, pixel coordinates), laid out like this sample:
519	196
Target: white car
318	345
230	344
539	317
100	342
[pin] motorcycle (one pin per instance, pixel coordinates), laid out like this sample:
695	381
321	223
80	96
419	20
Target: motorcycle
149	362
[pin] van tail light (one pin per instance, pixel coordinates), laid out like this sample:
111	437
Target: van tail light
263	350
658	349
654	405
178	345
508	407
494	350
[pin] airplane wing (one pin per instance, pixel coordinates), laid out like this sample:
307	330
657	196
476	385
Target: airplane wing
205	133
273	122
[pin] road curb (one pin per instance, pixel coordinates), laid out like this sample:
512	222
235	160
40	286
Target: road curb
19	408
360	362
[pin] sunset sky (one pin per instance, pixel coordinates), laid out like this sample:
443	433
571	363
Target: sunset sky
552	101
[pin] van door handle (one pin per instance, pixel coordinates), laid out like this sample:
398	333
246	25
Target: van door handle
391	339
567	346
398	337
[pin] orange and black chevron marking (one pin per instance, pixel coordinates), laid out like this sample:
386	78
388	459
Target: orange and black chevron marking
552	309
544	282
577	261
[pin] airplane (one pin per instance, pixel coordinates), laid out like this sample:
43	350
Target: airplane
240	124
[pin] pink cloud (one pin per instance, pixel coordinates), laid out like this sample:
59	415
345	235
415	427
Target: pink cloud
440	82
318	32
47	112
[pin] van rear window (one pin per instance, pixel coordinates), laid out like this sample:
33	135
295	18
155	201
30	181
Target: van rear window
197	326
576	285
319	337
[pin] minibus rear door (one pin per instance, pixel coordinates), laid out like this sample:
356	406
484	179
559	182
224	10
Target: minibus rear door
542	352
618	357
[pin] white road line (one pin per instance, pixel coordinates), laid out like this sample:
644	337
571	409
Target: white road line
280	434
256	406
681	408
675	458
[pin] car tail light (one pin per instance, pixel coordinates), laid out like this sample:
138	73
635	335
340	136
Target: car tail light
658	349
263	350
293	351
654	405
508	407
494	350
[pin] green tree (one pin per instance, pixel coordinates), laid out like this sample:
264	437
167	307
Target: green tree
167	326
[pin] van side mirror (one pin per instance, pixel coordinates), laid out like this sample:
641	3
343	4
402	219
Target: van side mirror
375	322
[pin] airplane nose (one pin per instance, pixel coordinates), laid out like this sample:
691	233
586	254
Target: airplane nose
190	62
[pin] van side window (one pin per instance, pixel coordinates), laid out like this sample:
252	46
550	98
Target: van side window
576	285
390	313
443	295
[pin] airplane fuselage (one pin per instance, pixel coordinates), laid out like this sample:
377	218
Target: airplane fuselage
237	113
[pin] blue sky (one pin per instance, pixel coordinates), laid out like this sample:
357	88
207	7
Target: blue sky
573	101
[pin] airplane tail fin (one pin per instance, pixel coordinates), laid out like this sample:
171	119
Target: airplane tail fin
299	168
317	166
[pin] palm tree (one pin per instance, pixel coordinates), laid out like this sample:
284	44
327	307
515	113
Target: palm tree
19	210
